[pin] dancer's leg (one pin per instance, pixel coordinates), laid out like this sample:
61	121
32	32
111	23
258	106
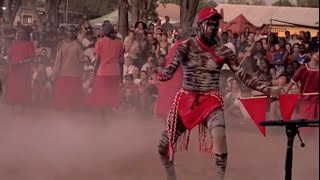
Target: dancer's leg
163	150
216	126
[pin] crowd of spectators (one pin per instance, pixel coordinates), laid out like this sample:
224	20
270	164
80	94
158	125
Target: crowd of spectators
273	60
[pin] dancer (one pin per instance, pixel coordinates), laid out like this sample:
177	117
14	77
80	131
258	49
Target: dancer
67	72
199	102
20	57
105	93
308	76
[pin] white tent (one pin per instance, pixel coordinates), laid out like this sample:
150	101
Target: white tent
113	17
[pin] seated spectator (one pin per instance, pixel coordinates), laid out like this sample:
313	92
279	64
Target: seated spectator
161	63
146	92
128	67
149	65
231	98
88	74
129	94
263	73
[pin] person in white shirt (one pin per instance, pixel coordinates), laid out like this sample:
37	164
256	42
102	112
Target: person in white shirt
128	67
226	42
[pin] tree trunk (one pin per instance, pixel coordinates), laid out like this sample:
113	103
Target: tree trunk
13	7
123	8
145	8
135	7
52	9
188	11
1	10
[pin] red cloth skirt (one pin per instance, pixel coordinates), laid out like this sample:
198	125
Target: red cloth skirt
105	92
19	85
309	110
68	92
194	107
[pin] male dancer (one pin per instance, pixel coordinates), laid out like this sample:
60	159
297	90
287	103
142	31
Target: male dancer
199	102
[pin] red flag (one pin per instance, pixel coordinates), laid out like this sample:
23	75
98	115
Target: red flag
287	104
256	108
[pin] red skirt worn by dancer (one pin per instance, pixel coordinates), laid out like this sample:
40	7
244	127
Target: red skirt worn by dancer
19	83
308	76
199	102
106	87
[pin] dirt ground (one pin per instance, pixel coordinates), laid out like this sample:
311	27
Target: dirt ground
40	144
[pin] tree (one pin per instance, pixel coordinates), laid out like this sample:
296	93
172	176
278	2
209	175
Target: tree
12	8
188	10
123	7
1	10
285	3
141	9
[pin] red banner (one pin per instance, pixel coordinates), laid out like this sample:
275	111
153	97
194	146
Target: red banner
287	103
256	108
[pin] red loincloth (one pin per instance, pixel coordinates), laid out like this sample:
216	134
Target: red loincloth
19	83
105	92
168	89
193	108
68	92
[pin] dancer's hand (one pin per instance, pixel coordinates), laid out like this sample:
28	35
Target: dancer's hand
162	77
274	94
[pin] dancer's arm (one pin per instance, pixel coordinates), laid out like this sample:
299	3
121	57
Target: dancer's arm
177	57
246	78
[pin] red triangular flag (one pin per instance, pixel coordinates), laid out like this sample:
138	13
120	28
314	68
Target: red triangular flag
256	108
287	103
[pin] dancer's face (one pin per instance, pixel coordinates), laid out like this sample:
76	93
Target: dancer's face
209	28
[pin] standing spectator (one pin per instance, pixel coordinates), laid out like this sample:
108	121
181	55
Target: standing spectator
280	57
117	33
167	25
106	88
263	73
164	46
67	72
131	46
245	53
303	55
19	82
287	36
294	39
88	45
257	53
48	38
128	67
244	36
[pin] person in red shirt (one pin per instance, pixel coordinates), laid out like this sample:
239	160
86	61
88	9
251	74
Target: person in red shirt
19	83
308	77
106	87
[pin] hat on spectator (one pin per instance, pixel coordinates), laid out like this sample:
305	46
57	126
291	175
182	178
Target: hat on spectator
206	13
